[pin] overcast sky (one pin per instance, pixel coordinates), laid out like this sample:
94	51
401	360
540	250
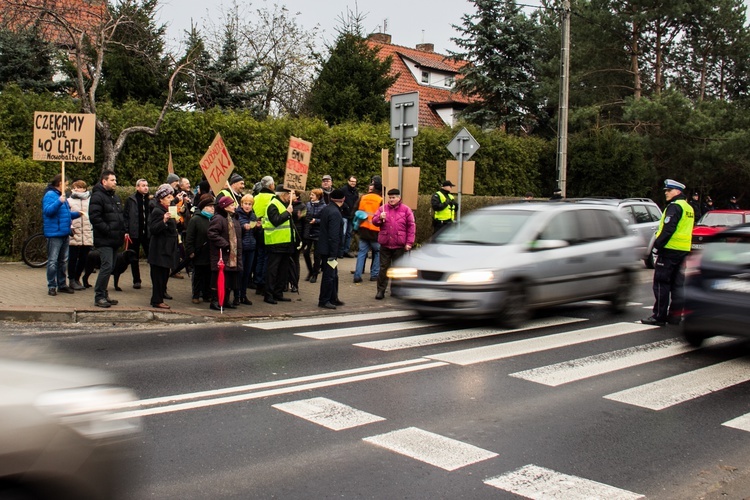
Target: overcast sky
410	22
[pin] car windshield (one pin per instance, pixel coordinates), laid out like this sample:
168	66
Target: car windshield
714	219
485	228
732	250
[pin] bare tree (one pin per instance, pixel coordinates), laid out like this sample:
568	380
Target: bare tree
86	30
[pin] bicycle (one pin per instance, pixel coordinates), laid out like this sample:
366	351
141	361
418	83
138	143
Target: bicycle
34	250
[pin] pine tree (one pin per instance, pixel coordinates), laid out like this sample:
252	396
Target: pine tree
27	60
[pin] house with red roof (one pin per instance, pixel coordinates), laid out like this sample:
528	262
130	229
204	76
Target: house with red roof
423	70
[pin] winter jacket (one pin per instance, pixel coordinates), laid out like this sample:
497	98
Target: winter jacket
132	225
163	249
218	234
107	219
331	225
299	219
398	229
351	195
196	239
56	214
83	233
248	236
313	218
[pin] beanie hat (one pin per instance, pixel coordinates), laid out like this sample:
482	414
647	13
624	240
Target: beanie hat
163	191
337	195
235	177
224	201
205	200
173	178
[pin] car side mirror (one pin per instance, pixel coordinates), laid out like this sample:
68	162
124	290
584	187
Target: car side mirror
538	245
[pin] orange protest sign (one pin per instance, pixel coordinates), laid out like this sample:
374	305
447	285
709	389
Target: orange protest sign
297	164
217	165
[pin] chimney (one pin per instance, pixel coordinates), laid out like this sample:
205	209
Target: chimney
380	38
426	47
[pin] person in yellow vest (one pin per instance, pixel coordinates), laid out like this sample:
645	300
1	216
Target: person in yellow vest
278	235
262	199
444	207
672	245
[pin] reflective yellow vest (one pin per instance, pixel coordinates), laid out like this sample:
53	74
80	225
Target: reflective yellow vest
683	236
448	213
261	204
275	235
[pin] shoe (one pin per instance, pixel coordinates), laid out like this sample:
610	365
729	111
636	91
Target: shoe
161	306
236	302
380	295
65	289
269	300
652	320
373	278
179	276
112	302
357	280
196	301
283	299
230	305
338	303
246	301
286	289
349	255
102	303
308	277
294	289
327	305
167	296
314	278
214	306
52	292
137	286
74	285
674	320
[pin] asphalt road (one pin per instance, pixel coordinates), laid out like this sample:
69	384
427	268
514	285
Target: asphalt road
578	404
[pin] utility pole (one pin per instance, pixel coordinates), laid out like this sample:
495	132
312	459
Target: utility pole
562	122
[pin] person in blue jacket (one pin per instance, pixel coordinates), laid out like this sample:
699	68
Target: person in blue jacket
57	216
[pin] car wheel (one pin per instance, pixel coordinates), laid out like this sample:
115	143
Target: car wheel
621	296
515	310
693	337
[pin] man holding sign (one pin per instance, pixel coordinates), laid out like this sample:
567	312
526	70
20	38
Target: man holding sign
57	217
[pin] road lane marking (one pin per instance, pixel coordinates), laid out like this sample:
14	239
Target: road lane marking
547	342
327	320
434	449
328	413
686	386
742	422
276	392
591	366
539	483
458	335
366	330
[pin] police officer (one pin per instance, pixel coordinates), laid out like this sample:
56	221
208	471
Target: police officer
672	245
695	203
444	207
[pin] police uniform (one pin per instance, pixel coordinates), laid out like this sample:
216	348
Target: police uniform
672	244
443	207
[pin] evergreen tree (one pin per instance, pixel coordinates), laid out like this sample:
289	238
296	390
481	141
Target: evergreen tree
27	60
499	45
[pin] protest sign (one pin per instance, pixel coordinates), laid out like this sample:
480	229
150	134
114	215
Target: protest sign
217	165
64	137
297	164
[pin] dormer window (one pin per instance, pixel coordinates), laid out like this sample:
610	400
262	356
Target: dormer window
425	77
449	81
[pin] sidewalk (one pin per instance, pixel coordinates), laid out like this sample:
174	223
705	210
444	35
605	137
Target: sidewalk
23	297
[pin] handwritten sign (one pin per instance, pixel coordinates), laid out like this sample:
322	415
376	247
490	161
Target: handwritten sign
297	164
64	137
217	165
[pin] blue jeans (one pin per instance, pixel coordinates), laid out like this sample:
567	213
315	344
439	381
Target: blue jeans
346	237
247	271
364	247
57	261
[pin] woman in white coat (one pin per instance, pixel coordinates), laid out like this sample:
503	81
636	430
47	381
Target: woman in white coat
81	233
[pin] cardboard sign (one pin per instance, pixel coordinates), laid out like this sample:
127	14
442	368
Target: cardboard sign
410	189
467	177
217	165
64	137
297	164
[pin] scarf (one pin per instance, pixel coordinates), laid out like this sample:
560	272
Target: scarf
232	242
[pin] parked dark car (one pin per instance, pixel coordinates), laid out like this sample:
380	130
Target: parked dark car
717	287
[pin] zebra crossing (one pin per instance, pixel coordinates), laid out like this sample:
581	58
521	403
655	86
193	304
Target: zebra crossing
530	480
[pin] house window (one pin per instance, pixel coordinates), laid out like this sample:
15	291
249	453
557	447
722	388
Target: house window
425	77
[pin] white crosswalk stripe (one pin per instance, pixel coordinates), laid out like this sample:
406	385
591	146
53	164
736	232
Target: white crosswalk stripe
328	413
742	423
591	366
521	347
457	335
353	331
434	449
684	387
328	320
539	483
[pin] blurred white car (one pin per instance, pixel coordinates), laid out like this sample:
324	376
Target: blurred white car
504	261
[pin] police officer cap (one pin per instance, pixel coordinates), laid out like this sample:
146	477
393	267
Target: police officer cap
672	184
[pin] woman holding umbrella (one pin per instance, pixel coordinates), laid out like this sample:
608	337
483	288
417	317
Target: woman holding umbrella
163	250
225	246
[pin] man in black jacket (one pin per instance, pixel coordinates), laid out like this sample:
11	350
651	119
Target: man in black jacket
106	216
137	211
329	242
351	196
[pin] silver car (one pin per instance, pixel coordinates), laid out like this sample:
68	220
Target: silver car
504	261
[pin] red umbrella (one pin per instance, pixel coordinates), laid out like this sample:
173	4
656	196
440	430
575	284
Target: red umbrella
220	283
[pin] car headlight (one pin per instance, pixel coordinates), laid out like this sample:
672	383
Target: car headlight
93	412
403	273
476	277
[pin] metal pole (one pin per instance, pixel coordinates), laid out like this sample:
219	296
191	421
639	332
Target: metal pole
562	125
460	174
401	150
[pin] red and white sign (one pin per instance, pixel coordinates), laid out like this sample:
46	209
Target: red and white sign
217	165
297	164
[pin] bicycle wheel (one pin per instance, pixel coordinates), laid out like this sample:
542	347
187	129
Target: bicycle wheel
34	251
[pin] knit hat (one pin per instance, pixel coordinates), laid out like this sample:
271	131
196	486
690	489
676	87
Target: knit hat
337	195
235	177
173	178
224	201
205	200
672	184
163	191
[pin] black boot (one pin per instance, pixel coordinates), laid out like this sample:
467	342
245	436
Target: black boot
314	278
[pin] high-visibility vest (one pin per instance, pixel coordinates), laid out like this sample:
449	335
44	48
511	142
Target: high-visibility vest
370	204
448	213
261	204
683	236
275	235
